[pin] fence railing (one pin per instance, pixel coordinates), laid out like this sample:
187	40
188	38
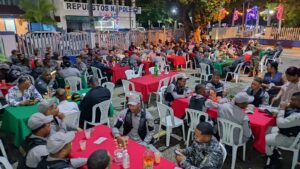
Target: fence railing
285	33
74	42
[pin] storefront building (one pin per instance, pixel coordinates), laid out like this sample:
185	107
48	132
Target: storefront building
10	19
74	15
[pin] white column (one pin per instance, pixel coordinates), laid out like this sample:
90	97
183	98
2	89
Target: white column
123	3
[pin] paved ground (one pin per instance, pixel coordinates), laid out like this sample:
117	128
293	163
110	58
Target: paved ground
254	160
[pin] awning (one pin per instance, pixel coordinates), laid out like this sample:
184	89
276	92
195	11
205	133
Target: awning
10	10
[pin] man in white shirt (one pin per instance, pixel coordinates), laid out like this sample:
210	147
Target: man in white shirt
233	111
64	106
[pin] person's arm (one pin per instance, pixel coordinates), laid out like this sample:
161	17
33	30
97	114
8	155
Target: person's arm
277	96
210	161
290	121
37	96
246	127
211	104
118	124
78	162
11	98
150	126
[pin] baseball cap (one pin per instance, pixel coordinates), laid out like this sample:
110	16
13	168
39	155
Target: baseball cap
182	76
134	100
45	104
58	140
243	97
37	120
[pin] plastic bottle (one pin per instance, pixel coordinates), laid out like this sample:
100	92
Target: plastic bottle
156	70
126	160
68	90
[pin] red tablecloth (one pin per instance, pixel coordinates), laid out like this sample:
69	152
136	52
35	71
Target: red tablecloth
147	65
135	150
149	83
118	72
259	122
177	60
192	55
4	88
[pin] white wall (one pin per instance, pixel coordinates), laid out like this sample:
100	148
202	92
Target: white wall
9	42
62	11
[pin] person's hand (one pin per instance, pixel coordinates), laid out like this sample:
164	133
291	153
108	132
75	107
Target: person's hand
79	129
274	100
120	141
179	158
61	116
53	76
25	103
284	105
179	150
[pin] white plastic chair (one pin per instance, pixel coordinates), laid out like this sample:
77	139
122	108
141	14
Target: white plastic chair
236	74
262	64
5	163
295	149
129	74
98	74
204	71
126	87
167	119
72	118
104	108
74	81
162	82
194	116
2	149
224	152
226	129
110	86
140	71
151	70
161	94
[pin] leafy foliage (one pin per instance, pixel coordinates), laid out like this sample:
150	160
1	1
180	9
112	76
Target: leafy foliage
38	11
153	10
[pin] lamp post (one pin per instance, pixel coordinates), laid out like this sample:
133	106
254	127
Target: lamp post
174	12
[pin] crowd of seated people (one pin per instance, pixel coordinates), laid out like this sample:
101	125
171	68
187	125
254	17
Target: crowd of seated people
135	122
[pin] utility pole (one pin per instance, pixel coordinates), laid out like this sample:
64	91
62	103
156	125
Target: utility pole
91	17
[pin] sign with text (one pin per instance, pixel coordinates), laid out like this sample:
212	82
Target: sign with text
100	8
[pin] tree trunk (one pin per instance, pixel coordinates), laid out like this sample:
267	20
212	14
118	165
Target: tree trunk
197	34
188	26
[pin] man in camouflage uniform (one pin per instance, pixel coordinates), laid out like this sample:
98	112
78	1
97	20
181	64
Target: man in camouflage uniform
256	49
204	153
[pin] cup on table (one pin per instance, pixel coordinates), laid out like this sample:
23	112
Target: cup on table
3	82
82	144
88	133
157	157
250	108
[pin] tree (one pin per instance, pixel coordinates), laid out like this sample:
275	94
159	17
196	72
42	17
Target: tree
202	12
153	10
38	11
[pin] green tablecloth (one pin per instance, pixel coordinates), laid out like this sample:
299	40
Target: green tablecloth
15	119
218	66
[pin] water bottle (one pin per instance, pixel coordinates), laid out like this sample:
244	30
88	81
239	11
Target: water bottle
126	160
155	70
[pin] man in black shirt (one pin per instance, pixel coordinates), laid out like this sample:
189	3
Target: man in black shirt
96	95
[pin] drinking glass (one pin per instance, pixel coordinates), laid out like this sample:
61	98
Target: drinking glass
88	133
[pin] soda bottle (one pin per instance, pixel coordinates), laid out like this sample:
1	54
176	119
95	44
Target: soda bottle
155	70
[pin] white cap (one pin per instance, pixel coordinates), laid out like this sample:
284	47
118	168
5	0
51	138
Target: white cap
37	120
243	97
134	100
58	140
